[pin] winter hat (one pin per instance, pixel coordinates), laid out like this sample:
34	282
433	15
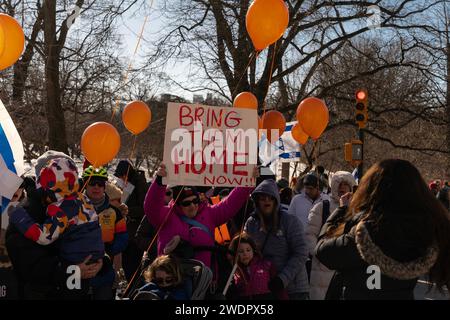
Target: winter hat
282	183
59	178
113	192
179	195
124	167
43	160
339	177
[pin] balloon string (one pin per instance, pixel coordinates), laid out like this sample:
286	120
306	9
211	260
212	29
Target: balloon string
131	156
235	260
316	149
270	78
85	183
130	65
252	56
153	240
240	234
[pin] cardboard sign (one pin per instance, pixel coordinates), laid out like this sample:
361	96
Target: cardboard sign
127	189
210	146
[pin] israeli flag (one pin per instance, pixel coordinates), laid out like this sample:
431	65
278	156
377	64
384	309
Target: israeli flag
355	175
286	149
11	158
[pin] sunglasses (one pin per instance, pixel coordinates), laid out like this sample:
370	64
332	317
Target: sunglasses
168	193
161	281
187	203
97	183
264	197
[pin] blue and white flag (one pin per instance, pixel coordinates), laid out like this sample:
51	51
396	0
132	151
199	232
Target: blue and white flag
286	149
11	158
355	175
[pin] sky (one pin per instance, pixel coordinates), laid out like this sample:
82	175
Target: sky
130	26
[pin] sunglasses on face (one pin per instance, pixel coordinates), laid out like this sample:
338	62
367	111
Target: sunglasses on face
187	203
161	281
264	197
97	183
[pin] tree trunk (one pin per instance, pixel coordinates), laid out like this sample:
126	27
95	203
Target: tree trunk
21	67
448	110
285	168
55	116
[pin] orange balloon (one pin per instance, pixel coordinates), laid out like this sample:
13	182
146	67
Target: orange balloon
100	143
12	41
313	116
298	134
266	22
246	100
274	120
136	116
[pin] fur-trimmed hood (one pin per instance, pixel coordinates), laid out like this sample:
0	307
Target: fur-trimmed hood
336	179
373	255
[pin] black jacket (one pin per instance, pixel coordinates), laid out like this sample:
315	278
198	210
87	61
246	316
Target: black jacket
358	248
39	271
135	202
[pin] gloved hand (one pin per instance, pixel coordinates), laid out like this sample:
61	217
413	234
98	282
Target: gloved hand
276	284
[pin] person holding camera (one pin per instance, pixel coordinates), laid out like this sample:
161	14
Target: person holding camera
342	182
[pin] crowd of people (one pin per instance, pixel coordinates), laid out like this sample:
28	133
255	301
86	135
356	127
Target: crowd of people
314	237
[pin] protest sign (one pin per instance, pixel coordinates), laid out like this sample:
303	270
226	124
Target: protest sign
210	146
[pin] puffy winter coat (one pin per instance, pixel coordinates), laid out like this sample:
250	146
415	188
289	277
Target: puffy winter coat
359	247
320	275
210	216
285	247
253	280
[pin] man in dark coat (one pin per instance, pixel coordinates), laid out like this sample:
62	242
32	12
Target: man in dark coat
132	256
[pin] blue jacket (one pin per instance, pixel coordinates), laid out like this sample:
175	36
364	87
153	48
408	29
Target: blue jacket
285	247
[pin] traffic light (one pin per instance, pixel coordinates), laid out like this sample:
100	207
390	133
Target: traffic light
362	115
353	152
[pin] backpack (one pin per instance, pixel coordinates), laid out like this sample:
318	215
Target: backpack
325	211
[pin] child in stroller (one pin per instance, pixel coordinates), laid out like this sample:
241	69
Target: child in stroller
174	277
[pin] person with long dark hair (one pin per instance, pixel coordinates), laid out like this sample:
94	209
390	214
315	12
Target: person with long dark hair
392	225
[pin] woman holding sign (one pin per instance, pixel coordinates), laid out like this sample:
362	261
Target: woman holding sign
192	220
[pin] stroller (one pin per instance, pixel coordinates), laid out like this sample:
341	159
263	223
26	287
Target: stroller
200	275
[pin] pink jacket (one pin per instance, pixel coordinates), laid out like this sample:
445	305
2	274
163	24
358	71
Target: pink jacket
254	279
210	216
